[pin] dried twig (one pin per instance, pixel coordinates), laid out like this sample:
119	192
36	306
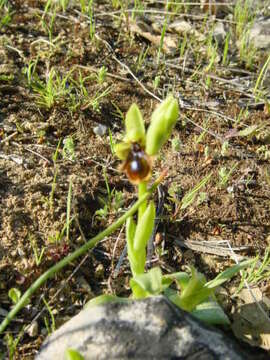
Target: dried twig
209	247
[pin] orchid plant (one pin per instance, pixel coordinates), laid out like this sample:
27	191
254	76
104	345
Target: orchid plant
190	291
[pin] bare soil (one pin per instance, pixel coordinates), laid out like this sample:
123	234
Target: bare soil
34	187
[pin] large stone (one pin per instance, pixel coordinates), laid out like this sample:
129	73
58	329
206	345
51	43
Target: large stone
147	329
259	33
219	32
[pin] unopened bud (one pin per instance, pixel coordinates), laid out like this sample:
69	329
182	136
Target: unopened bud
135	131
162	122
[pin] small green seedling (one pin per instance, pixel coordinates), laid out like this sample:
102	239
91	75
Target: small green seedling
101	75
83	6
92	25
111	202
224	148
14	294
12	343
5	13
156	82
189	198
226	50
69	148
256	273
64	4
262	76
225	174
38	254
49	327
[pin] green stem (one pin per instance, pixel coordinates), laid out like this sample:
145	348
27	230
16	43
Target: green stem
142	190
68	259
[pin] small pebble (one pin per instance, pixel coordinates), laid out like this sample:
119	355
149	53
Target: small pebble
158	238
99	271
100	130
32	330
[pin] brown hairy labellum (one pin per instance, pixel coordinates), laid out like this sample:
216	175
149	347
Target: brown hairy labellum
138	165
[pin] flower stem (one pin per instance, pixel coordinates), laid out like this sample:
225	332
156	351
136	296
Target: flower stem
68	259
142	190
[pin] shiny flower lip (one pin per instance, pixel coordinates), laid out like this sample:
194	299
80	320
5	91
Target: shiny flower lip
138	165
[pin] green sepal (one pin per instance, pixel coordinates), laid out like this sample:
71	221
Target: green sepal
135	130
145	227
122	150
162	122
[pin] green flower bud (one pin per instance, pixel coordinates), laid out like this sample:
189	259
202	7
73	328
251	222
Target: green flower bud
122	150
162	122
145	227
135	131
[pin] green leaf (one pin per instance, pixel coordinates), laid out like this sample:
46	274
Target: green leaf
136	259
162	122
173	296
71	354
228	274
194	292
137	291
145	227
210	312
15	295
104	299
181	278
189	302
135	130
147	284
196	282
130	232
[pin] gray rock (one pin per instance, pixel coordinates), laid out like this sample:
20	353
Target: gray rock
147	329
100	130
217	8
259	33
32	329
219	32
